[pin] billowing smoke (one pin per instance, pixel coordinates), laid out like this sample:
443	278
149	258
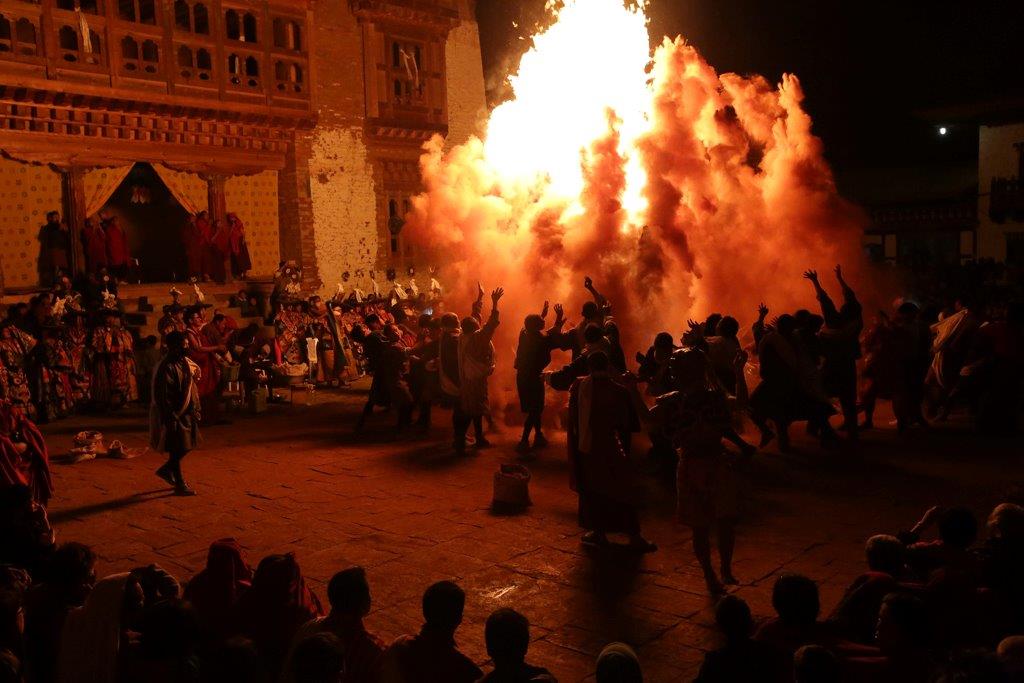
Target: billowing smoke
681	191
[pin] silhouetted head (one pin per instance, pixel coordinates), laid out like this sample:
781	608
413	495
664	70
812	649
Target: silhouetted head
318	659
689	368
449	321
169	629
72	568
591	311
785	325
728	327
711	324
902	623
507	634
1006	523
349	592
618	663
443	604
593	333
177	343
598	362
885	554
815	664
470	324
795	599
958	527
533	323
373	322
732	616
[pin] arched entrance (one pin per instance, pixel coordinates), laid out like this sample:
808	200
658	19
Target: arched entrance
153	220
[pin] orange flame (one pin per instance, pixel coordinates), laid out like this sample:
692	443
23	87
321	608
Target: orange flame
679	190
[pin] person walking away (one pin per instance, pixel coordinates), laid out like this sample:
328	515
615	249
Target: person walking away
174	411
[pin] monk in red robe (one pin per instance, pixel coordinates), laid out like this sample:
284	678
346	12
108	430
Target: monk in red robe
193	237
23	457
204	354
238	249
220	248
117	249
94	241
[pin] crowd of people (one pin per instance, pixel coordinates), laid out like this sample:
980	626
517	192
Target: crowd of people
214	249
949	609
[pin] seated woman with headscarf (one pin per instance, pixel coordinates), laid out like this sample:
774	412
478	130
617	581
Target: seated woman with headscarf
215	590
274	608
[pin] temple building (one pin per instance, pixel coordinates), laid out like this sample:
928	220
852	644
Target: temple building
303	117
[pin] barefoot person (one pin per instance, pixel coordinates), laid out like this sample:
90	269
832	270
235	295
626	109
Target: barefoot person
174	411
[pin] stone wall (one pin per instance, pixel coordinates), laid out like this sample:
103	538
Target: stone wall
27	192
254	199
467	104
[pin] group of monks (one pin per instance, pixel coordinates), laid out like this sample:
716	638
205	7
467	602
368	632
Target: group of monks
214	248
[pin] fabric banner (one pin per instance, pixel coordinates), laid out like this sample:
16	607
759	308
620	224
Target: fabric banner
187	188
100	183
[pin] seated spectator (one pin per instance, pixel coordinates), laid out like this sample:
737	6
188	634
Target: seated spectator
815	664
10	668
234	661
1002	566
272	611
167	648
742	659
971	666
26	537
432	656
958	529
66	583
349	595
796	602
12	625
856	615
91	640
507	634
1011	657
318	659
903	638
215	590
618	663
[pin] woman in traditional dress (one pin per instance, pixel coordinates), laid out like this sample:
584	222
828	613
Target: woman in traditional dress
55	398
238	248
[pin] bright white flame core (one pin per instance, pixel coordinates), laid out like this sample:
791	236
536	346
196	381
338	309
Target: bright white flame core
592	59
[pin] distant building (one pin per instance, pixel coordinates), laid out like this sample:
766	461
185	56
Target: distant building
1000	233
305	118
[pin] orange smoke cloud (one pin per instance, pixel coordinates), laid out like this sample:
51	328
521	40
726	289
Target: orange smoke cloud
680	191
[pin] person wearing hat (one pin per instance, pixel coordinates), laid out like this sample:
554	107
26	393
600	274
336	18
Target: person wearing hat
173	320
75	337
114	379
174	411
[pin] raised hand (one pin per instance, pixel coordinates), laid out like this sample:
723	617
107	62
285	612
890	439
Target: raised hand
559	312
495	295
762	311
588	282
839	271
811	275
544	311
479	291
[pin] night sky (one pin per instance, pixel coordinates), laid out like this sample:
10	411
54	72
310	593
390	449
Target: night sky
872	72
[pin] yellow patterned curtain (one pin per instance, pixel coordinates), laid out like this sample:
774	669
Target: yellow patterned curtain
100	184
188	188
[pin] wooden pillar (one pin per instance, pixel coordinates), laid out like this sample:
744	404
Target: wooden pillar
73	190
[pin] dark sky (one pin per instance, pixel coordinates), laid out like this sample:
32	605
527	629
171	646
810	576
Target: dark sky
869	69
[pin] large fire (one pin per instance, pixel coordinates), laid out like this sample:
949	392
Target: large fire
681	191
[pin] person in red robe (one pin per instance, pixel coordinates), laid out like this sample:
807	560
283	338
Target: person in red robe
238	249
220	247
204	230
94	242
215	590
117	249
194	241
24	460
205	355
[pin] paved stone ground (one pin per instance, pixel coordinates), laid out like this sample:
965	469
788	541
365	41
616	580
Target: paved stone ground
297	479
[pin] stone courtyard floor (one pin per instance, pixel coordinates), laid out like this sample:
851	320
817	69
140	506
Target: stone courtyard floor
297	479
